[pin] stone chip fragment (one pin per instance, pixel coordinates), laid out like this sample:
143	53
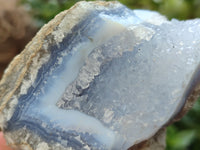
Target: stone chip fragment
100	76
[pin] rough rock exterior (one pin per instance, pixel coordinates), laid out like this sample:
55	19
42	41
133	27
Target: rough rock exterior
16	30
101	76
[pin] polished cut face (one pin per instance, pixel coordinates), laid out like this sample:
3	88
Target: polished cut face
110	80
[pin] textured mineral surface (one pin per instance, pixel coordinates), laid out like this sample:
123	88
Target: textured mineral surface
100	76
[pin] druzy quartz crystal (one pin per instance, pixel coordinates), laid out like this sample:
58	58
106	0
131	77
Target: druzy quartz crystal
100	76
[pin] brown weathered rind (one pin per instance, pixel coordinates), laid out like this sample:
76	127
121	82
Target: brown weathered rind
16	30
19	68
157	142
22	71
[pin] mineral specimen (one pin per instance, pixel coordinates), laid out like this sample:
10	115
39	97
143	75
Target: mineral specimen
100	76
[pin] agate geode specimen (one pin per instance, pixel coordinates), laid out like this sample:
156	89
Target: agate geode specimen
100	76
